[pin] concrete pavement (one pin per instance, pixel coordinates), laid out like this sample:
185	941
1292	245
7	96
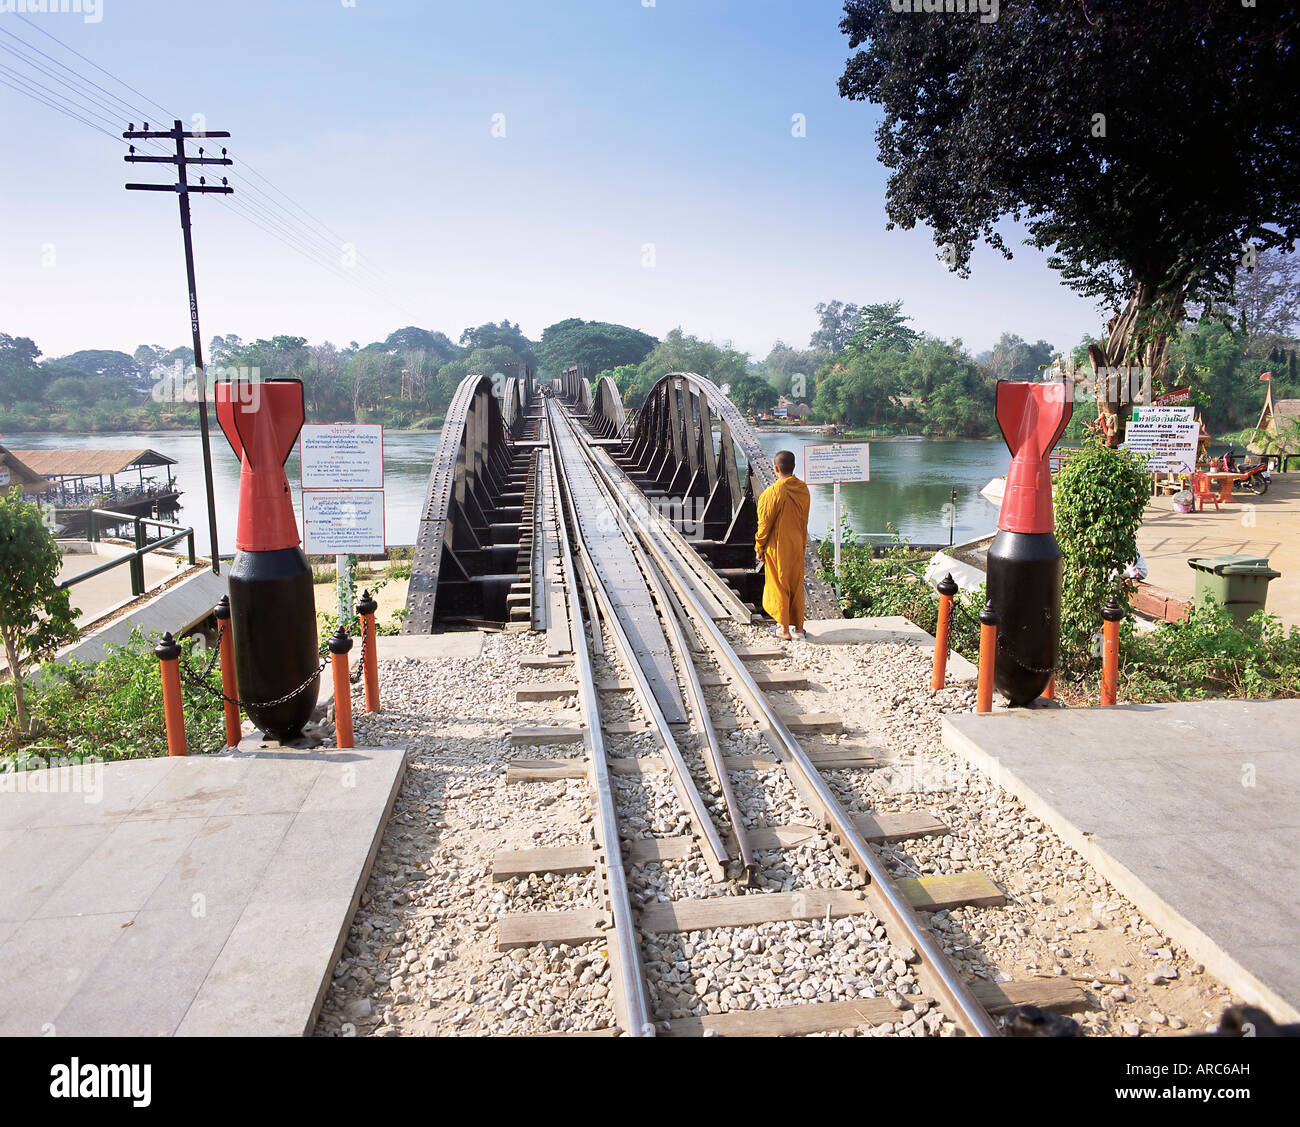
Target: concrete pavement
1191	809
207	895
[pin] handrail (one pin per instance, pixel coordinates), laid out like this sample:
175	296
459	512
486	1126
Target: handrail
135	560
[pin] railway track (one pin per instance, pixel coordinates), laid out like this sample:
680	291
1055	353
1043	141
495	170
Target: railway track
655	673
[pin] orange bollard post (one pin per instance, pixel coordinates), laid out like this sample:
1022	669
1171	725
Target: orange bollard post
366	608
1112	615
340	645
988	655
168	654
947	589
228	689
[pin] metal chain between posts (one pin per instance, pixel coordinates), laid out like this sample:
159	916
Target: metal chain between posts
958	608
198	681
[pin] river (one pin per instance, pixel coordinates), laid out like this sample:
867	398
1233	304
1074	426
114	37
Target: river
911	481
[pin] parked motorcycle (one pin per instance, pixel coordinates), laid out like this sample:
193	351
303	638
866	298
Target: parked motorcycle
1255	478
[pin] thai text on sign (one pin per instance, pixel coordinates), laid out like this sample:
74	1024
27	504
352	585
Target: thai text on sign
342	456
336	524
1170	446
837	462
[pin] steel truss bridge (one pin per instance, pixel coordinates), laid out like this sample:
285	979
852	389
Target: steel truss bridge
486	552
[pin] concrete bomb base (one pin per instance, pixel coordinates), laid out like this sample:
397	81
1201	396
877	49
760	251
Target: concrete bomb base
1192	810
208	895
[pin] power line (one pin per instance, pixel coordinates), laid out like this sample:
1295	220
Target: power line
321	249
61	109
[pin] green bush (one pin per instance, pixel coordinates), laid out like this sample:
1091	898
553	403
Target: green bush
890	585
112	708
1207	655
1100	497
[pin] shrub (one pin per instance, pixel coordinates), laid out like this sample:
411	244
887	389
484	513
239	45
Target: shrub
1208	655
1100	497
113	708
890	585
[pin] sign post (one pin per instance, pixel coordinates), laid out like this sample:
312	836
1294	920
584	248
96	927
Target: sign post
832	464
343	498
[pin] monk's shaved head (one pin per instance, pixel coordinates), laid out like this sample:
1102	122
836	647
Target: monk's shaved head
784	462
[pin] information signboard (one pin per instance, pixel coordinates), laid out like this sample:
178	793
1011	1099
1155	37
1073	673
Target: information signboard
342	468
1170	445
837	462
342	456
831	464
342	524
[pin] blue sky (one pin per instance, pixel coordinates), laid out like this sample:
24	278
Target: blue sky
626	126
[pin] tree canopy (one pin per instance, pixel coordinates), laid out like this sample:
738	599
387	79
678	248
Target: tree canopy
1059	115
598	344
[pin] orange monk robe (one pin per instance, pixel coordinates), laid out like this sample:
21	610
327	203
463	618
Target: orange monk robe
781	541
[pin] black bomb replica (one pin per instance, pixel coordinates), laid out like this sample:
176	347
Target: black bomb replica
1025	563
272	609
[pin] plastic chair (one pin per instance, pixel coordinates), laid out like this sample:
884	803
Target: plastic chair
1201	492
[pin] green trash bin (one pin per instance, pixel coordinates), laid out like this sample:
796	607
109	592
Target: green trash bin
1239	583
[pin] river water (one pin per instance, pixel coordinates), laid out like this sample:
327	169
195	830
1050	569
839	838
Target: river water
910	485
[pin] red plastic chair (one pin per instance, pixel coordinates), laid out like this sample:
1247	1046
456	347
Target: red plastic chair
1201	491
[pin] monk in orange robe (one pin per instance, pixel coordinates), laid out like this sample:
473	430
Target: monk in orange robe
780	544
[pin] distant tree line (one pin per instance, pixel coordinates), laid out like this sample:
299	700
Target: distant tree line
864	367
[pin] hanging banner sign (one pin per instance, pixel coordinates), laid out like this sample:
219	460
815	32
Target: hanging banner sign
335	523
837	462
342	456
1174	395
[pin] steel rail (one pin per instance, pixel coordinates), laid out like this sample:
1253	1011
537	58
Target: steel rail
712	847
629	972
636	506
677	636
944	980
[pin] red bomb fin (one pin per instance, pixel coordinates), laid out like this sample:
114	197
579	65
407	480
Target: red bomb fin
225	404
261	420
1032	416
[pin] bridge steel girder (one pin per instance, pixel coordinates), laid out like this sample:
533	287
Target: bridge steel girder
608	419
670	451
672	447
468	541
575	389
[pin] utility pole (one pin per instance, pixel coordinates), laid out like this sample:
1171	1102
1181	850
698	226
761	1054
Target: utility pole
183	188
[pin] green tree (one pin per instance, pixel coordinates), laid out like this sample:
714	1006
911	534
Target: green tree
1100	497
679	352
21	378
752	393
1014	358
858	387
837	322
103	362
502	335
35	615
1059	115
955	399
598	344
1264	302
882	325
437	346
791	370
